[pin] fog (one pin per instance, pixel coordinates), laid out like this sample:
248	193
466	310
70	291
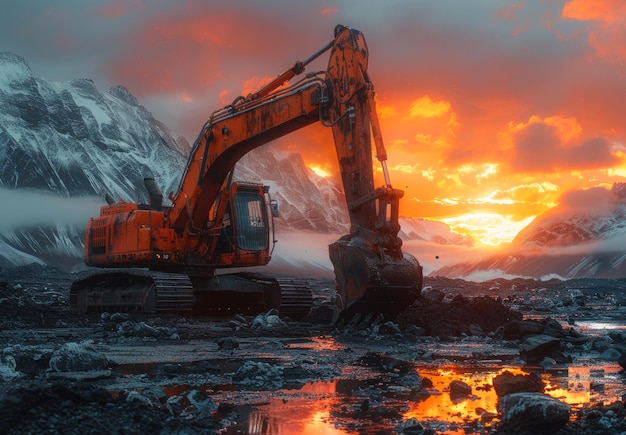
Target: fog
294	252
308	252
24	208
433	256
304	253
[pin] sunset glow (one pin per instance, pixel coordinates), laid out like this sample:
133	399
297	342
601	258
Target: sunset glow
490	114
319	171
489	228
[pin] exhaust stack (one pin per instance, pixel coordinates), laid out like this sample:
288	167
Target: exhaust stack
155	194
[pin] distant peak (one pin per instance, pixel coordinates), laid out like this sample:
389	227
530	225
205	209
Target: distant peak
14	68
124	94
86	85
619	189
9	57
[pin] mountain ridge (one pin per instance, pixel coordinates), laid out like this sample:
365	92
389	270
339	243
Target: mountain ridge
583	237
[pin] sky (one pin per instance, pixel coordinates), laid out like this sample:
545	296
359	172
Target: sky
491	110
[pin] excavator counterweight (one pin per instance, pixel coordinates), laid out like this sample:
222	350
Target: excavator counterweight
214	224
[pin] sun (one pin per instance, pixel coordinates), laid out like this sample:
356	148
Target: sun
490	229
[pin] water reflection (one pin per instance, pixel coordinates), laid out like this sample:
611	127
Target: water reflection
320	344
380	404
440	406
580	385
305	411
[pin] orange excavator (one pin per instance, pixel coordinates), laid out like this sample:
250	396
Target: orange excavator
171	258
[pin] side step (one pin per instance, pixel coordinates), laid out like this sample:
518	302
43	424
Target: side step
174	293
296	298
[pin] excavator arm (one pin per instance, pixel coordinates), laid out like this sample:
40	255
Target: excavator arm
373	274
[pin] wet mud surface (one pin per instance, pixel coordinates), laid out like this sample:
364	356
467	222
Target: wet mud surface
465	358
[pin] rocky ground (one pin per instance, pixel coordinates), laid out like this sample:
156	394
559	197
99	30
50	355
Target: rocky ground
64	372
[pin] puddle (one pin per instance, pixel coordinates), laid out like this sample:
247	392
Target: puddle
378	405
574	385
323	344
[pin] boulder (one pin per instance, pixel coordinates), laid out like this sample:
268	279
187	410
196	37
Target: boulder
258	376
30	360
537	347
389	328
518	329
268	320
7	368
459	390
76	357
508	383
532	413
553	328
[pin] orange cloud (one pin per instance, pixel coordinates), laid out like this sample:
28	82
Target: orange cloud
490	228
225	97
608	11
118	8
608	18
330	9
191	48
510	13
385	111
428	108
186	97
253	84
542	192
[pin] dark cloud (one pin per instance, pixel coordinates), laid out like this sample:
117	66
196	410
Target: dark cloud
538	148
588	203
596	199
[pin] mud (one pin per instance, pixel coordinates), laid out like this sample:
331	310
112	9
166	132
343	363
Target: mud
432	370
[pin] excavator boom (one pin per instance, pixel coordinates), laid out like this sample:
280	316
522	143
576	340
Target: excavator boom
215	224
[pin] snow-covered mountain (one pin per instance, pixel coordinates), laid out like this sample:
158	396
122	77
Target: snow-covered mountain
68	140
585	236
72	140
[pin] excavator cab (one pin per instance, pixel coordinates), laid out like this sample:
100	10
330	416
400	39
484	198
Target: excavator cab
244	223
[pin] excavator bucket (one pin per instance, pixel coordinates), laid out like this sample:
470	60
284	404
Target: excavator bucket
370	285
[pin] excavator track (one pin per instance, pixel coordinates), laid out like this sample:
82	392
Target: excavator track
145	291
235	293
158	292
250	294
